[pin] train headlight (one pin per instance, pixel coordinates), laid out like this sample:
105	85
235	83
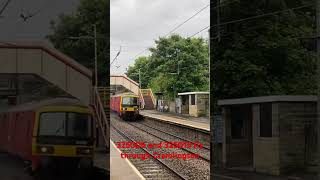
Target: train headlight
45	149
124	109
84	151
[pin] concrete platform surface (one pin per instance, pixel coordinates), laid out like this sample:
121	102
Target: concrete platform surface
12	168
202	123
121	169
101	160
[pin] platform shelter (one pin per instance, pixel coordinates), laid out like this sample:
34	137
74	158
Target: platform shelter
193	103
270	134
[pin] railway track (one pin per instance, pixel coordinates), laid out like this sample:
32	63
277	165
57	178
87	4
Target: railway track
170	134
152	168
179	131
204	151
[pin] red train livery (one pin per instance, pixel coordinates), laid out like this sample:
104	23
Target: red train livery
49	132
125	105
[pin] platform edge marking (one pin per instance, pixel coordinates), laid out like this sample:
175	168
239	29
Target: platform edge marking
130	164
177	123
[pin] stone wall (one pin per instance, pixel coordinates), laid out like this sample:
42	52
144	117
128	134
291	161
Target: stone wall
236	152
203	104
291	148
172	106
296	148
265	149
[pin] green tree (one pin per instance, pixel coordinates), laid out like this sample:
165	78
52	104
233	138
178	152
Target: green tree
176	64
264	56
81	23
133	71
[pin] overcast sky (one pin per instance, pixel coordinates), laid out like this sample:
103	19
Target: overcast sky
13	28
135	24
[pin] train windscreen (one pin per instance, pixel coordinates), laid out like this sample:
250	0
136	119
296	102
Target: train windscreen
129	101
68	124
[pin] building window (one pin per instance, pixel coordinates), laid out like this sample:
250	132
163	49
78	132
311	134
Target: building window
184	100
193	99
239	120
265	129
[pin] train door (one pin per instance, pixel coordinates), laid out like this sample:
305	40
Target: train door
10	139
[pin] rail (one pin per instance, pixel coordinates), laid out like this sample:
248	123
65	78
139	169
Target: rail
101	116
130	139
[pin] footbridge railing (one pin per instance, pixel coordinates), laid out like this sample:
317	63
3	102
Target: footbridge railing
101	117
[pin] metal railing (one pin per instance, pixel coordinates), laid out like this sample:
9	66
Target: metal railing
152	97
101	118
104	95
142	99
148	92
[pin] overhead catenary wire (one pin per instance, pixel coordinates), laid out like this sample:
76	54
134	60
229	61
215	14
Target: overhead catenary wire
4	6
185	21
176	27
261	15
250	18
199	31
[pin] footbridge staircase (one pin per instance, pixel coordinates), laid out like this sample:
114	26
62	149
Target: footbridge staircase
122	83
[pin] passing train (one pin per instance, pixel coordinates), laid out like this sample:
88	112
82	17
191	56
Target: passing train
51	134
126	105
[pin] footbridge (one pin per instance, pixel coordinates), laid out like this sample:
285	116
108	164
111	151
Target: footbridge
35	70
122	83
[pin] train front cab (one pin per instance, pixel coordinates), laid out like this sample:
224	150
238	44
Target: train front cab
63	138
129	107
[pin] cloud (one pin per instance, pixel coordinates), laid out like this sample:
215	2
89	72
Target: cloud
36	28
135	24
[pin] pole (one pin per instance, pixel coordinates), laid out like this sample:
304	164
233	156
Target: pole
218	20
95	56
211	110
318	78
139	78
216	11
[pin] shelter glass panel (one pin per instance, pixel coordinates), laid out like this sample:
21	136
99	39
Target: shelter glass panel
239	119
265	128
193	99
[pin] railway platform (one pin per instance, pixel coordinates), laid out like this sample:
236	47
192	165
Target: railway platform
101	159
200	123
121	169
